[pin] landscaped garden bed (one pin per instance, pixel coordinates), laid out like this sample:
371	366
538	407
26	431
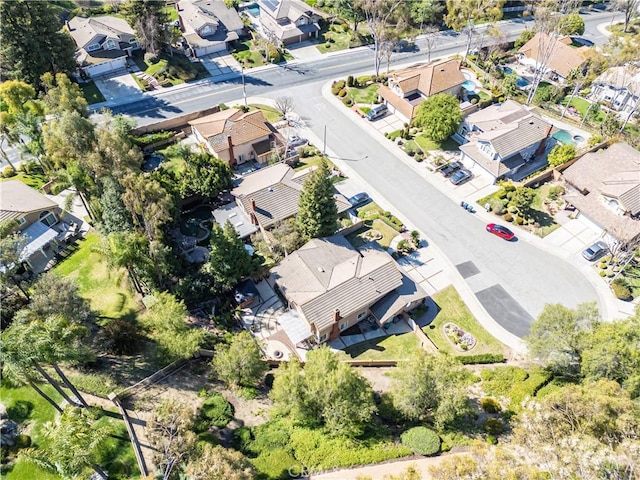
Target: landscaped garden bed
461	340
379	232
171	70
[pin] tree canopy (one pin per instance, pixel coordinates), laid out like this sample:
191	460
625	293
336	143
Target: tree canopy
239	364
219	463
205	175
317	213
229	262
560	154
325	392
572	24
32	42
439	115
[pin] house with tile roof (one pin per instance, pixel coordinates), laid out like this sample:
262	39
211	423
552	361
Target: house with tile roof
266	197
619	89
289	21
502	138
408	88
208	26
604	186
237	137
102	43
562	58
330	286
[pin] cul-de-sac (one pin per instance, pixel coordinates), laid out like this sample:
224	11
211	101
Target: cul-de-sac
321	239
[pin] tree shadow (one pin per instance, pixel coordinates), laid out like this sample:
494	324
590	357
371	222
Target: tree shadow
20	411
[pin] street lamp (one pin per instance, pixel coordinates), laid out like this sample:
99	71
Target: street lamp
244	88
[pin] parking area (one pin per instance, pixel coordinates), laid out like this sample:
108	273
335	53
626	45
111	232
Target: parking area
117	85
222	63
387	124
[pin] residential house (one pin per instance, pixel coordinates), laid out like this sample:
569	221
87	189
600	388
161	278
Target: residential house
289	21
266	197
103	43
619	89
502	138
562	57
408	88
237	137
209	26
604	186
330	286
35	215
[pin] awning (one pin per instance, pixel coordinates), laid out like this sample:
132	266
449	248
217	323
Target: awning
37	235
296	328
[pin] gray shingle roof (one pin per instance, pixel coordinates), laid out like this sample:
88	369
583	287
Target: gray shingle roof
328	274
517	136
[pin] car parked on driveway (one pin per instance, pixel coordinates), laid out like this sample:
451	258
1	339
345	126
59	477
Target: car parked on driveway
296	141
500	231
359	199
449	168
460	176
377	112
595	251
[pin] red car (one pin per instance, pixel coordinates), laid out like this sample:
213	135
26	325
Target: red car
500	231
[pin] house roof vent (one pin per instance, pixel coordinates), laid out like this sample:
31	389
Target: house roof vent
321	270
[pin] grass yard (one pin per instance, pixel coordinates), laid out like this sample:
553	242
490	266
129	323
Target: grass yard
393	347
428	145
514	383
91	92
334	40
35	180
171	70
453	309
171	13
313	161
582	105
272	115
359	237
368	94
107	290
248	55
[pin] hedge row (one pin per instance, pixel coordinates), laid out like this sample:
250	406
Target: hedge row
482	358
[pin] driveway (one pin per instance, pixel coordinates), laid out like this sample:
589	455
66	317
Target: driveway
117	85
219	64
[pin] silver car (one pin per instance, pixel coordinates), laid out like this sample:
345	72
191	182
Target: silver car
595	251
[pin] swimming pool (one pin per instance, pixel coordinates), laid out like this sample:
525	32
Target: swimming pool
564	137
253	9
469	85
520	81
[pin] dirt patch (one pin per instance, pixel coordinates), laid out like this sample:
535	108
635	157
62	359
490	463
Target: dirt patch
378	377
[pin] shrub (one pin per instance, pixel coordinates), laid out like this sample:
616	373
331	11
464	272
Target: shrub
519	220
8	171
342	93
216	411
493	426
350	81
621	290
481	358
149	138
421	440
490	405
22	441
508	217
347	101
555	192
491	440
603	273
561	154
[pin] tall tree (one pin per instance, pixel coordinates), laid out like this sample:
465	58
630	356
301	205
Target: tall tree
11	248
240	363
425	12
229	262
149	19
205	175
630	9
73	444
53	294
571	24
317	213
69	138
219	463
115	217
127	250
464	15
431	387
439	115
325	392
378	15
351	10
148	202
557	337
169	432
31	42
63	95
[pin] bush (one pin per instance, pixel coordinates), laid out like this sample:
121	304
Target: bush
421	440
491	440
561	154
481	358
519	220
490	405
149	138
22	441
603	273
342	93
8	172
493	426
621	290
555	192
121	337
216	411
348	101
350	81
508	217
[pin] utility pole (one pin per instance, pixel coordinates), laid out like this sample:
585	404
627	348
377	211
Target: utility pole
244	88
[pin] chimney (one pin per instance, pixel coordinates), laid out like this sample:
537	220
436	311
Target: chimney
336	315
254	219
232	157
543	143
252	212
549	131
253	205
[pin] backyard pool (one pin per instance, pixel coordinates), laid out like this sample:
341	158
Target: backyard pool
564	137
469	85
520	81
197	223
253	9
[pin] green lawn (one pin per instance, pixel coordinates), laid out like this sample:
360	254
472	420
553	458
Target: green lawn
34	180
453	309
248	55
171	13
359	238
313	161
272	115
171	70
369	211
368	94
428	145
91	92
333	41
393	347
107	290
582	105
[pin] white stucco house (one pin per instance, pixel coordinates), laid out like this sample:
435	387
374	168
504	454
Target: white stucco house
619	89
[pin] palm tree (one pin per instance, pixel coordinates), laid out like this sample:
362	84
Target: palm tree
73	444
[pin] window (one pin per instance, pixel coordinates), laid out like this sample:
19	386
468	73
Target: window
323	338
133	43
22	220
361	315
93	47
344	325
48	218
111	45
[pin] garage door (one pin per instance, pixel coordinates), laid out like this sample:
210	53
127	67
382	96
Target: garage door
106	67
202	51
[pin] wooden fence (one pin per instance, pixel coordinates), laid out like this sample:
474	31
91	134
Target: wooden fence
137	449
